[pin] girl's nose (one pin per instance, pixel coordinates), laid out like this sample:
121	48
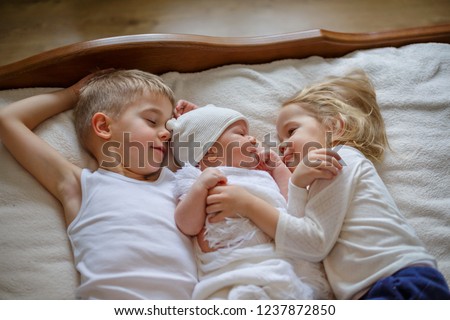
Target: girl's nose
252	139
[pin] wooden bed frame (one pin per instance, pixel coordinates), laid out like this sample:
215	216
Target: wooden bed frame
160	53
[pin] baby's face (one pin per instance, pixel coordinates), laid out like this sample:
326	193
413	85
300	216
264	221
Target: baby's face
234	148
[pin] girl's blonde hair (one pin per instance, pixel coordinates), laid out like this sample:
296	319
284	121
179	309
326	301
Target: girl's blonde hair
347	105
111	92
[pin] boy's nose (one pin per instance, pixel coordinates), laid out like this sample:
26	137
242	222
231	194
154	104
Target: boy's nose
164	135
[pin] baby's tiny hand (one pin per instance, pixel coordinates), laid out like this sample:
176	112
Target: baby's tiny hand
211	177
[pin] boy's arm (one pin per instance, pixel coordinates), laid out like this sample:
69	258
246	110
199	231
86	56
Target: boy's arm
190	213
60	177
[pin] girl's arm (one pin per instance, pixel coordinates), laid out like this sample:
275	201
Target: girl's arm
313	230
52	170
190	213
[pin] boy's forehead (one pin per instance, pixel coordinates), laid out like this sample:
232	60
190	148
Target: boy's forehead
157	103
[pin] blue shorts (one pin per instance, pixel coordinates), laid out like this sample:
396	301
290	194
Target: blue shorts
411	283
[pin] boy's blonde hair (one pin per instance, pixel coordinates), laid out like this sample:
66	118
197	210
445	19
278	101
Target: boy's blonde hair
111	92
347	105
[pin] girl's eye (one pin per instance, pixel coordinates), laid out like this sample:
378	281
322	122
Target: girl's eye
153	122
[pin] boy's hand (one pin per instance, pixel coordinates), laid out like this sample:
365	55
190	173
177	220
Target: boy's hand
184	106
317	164
75	88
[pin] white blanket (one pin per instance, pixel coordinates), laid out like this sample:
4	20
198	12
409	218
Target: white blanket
251	273
413	87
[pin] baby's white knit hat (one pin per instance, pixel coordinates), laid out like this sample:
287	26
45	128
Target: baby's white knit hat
194	132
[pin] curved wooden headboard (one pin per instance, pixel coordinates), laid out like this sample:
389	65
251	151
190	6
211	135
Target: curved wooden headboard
160	53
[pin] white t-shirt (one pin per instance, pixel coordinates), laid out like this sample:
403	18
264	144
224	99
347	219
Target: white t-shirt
353	225
125	241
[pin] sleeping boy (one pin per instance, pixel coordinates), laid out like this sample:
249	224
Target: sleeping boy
120	217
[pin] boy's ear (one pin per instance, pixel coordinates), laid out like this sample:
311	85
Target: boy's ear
101	125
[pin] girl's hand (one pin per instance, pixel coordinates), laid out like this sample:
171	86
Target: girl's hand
233	201
184	106
317	164
227	202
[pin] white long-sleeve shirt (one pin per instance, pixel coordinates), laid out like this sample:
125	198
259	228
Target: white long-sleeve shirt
353	225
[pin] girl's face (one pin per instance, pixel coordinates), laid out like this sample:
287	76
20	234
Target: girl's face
142	135
298	132
234	148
